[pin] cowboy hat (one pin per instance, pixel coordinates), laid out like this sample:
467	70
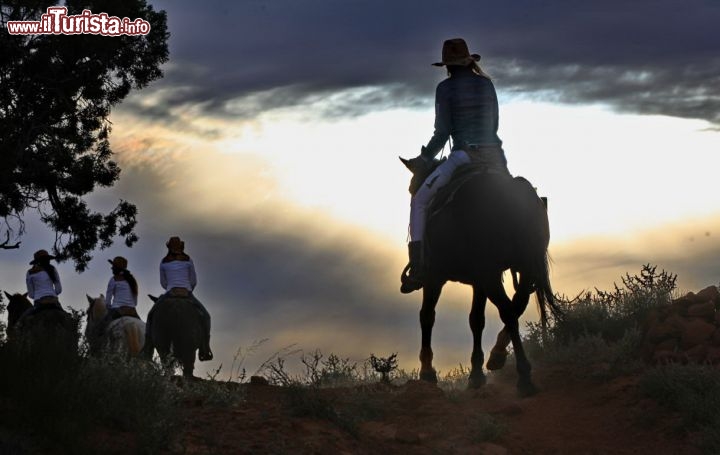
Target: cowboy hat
41	254
455	52
175	245
119	262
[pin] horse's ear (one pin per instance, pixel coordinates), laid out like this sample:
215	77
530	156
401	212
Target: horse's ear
153	298
9	296
25	295
405	162
89	299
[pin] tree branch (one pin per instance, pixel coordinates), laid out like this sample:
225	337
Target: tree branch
6	245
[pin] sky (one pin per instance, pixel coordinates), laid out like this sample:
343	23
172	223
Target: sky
270	146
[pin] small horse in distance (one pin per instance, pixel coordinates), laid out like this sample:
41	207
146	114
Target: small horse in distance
488	224
176	329
124	335
18	304
44	330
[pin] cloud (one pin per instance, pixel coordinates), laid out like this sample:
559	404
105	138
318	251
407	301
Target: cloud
238	59
688	248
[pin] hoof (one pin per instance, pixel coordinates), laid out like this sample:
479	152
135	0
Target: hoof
526	388
497	360
475	381
429	376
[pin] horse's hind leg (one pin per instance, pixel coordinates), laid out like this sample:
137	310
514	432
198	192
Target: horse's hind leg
431	294
477	324
498	354
509	317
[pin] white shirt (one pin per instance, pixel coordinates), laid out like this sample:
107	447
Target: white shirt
119	293
40	285
178	274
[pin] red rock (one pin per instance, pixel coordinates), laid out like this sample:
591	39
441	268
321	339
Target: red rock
670	344
664	358
680	306
488	448
710	293
695	331
407	436
713	355
703	310
697	354
661	331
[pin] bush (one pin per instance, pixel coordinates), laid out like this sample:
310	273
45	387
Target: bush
694	392
602	327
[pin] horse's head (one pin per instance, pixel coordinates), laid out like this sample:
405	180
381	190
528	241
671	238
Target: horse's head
420	169
96	308
17	305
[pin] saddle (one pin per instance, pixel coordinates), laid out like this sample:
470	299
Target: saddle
445	194
125	311
178	292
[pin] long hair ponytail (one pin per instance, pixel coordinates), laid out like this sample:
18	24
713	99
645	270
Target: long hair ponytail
49	269
131	281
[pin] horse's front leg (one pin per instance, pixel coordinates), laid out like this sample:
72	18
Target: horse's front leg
431	294
477	324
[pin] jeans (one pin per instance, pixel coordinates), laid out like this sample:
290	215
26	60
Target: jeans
420	201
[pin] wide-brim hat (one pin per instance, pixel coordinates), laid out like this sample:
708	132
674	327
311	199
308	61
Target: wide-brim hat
175	245
455	52
119	262
41	254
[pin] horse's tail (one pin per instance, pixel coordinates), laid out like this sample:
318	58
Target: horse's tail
135	338
544	293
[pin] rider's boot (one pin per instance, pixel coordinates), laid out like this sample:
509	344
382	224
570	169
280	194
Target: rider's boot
204	353
413	280
148	348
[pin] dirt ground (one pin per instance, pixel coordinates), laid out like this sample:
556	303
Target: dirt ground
568	416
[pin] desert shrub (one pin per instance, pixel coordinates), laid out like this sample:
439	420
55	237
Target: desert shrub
694	392
602	327
610	314
63	397
486	428
345	407
332	371
384	366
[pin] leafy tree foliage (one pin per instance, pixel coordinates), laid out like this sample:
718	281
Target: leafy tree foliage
56	93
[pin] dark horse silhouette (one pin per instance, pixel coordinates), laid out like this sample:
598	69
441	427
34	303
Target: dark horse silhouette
491	223
176	328
49	329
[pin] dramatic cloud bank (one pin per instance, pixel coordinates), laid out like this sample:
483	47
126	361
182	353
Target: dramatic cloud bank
238	59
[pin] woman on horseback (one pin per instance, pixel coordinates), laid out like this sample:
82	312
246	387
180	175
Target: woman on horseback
43	282
466	110
122	290
178	278
121	296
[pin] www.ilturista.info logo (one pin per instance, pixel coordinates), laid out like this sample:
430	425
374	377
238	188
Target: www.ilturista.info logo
57	22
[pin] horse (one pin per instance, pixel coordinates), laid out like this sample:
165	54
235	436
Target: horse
18	304
124	335
175	329
48	328
488	224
